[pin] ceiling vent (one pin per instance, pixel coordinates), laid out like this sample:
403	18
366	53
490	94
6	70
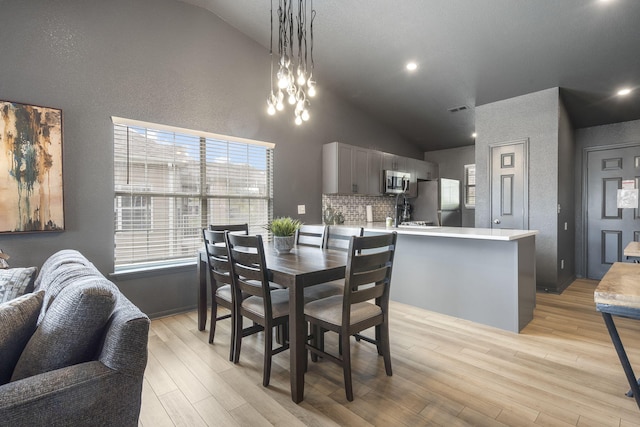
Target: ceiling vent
460	108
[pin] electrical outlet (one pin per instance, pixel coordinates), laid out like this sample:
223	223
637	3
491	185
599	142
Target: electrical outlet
301	209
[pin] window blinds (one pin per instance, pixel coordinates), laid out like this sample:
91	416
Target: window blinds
169	183
470	186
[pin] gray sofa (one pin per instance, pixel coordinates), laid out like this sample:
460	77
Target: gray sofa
76	352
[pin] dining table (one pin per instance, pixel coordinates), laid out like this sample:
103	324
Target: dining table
618	294
302	267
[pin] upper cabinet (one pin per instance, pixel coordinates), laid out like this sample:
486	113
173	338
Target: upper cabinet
420	170
375	173
347	169
393	162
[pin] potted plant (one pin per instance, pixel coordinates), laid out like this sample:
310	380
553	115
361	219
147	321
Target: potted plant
284	233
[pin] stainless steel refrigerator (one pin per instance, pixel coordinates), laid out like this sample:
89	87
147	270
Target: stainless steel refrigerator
438	202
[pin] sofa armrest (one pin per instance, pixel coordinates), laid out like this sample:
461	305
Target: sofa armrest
125	342
85	394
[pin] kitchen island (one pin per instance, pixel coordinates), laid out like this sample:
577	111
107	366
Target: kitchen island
479	274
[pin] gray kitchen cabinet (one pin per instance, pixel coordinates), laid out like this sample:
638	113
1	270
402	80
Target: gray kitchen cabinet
348	169
394	162
420	170
375	173
344	169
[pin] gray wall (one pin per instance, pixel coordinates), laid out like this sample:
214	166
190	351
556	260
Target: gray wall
535	116
597	136
451	165
160	61
566	200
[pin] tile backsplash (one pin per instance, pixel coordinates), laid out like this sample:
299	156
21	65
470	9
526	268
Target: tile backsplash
353	208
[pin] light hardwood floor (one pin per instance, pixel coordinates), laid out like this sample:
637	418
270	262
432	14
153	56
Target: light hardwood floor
561	370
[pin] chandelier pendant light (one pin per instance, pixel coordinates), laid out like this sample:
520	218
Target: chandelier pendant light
293	83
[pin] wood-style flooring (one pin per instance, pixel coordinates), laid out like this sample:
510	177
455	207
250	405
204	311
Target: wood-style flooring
561	370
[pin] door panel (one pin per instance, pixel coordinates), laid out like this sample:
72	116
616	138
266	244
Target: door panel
609	229
509	189
611	246
506	207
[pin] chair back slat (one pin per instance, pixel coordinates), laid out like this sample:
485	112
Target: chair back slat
232	228
311	235
371	259
374	286
338	236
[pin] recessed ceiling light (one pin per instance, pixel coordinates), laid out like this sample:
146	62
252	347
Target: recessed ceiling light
473	135
624	92
412	66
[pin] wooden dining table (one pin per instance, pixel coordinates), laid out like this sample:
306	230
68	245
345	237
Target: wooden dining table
302	267
618	294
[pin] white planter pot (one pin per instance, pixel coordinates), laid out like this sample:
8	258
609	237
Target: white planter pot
283	244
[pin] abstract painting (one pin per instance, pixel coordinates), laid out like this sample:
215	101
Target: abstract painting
30	168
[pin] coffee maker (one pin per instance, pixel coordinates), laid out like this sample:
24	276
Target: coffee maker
404	211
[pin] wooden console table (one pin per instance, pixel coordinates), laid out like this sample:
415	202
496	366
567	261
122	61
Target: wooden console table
618	294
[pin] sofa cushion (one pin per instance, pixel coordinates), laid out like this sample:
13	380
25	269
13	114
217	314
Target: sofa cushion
66	275
15	282
72	329
18	319
50	267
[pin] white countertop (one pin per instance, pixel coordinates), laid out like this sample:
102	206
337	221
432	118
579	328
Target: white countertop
455	232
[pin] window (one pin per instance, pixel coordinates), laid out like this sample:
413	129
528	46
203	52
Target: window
169	183
133	212
470	186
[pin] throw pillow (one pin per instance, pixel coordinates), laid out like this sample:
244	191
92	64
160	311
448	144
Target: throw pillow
15	282
18	319
72	329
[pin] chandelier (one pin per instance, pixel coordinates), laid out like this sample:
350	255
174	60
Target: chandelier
296	86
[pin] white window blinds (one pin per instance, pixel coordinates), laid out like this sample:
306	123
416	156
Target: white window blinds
470	186
169	183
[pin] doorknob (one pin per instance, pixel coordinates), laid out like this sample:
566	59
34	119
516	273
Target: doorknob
496	221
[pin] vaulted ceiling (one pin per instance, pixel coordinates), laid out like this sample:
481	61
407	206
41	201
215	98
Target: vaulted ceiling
469	53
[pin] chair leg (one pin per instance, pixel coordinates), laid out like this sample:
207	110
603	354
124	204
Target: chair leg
238	338
214	317
379	340
314	341
385	347
232	341
346	365
268	347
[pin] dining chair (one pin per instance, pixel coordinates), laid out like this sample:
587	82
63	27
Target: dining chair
338	236
368	277
217	261
220	277
266	307
311	235
314	235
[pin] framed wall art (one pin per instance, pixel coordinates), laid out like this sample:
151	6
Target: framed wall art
31	196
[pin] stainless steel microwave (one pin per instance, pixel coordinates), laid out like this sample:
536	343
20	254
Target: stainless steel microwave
396	182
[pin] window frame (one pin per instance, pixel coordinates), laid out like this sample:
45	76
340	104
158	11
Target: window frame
194	197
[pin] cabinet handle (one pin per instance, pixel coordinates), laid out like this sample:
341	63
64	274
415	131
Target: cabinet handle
496	221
